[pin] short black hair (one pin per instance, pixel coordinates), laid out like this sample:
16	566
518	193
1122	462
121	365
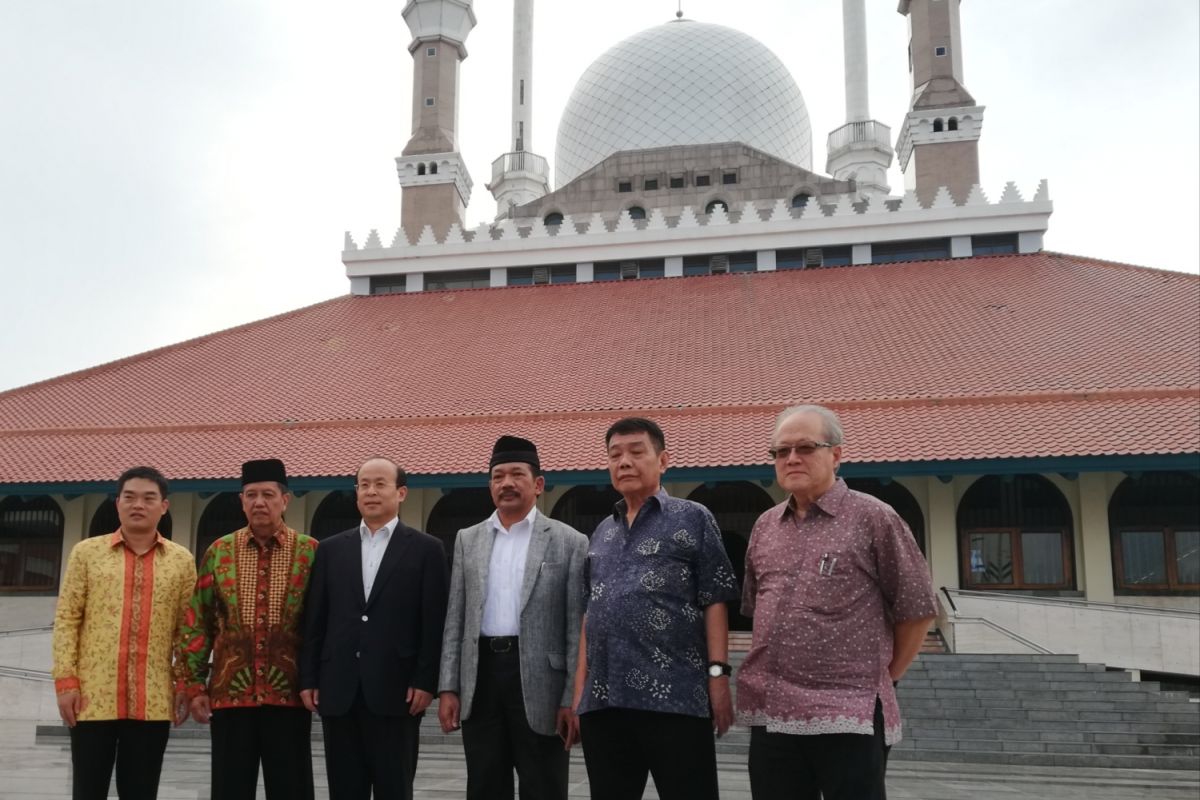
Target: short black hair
638	425
147	473
401	475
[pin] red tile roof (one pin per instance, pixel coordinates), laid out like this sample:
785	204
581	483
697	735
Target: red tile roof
1000	357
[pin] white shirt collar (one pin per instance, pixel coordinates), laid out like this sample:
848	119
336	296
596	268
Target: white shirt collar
498	526
385	532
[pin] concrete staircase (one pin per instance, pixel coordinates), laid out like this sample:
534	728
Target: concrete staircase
1042	710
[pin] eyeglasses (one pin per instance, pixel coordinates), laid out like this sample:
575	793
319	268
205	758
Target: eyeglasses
379	486
782	452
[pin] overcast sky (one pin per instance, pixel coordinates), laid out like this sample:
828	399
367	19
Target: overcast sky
171	169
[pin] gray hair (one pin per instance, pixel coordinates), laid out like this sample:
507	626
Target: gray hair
831	426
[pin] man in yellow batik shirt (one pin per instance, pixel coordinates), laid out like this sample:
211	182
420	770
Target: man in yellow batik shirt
114	628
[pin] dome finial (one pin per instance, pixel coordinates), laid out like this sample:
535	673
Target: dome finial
679	10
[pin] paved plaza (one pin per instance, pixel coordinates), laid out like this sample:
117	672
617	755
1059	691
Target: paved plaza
37	768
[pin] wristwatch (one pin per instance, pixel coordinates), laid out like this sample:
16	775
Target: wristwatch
718	669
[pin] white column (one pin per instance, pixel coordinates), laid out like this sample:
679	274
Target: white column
854	31
942	552
765	261
1095	544
522	86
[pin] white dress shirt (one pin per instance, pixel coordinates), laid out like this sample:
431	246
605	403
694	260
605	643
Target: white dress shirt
373	547
506	571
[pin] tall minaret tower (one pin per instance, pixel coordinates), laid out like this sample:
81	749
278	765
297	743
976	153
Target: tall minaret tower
939	141
520	176
862	148
436	184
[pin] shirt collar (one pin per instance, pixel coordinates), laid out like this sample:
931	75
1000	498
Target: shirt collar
829	503
660	497
116	537
386	531
498	526
279	537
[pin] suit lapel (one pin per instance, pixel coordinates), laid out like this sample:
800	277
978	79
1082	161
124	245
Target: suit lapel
539	538
481	559
401	538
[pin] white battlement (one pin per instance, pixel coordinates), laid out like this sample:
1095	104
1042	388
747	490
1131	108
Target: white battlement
521	243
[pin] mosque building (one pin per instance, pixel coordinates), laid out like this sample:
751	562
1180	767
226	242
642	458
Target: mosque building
1034	416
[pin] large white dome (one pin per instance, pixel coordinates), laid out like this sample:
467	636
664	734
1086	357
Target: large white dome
683	82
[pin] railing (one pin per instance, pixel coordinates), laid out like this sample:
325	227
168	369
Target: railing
868	132
25	674
519	162
1131	608
948	620
1119	635
27	631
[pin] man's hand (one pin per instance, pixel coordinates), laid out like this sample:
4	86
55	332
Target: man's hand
70	706
311	699
181	708
722	704
448	711
418	700
567	725
201	710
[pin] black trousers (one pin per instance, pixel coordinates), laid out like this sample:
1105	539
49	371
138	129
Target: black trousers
279	737
366	751
833	766
497	738
621	746
135	746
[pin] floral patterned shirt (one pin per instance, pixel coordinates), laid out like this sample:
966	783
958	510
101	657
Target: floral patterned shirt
647	587
246	611
824	591
115	623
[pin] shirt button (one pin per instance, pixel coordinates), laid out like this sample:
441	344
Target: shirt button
356	654
364	617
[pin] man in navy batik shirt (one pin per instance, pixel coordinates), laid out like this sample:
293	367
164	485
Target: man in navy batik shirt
652	682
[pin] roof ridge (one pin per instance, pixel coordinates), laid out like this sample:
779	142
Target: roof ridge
1147	393
1123	265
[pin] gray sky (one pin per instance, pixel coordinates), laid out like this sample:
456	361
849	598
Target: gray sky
171	169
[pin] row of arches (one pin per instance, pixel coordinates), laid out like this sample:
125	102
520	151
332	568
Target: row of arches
950	124
1014	532
431	169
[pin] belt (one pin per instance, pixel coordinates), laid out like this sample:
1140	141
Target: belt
498	644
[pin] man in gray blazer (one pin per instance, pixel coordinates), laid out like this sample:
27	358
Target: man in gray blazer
512	637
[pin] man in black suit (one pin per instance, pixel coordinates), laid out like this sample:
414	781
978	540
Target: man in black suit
372	641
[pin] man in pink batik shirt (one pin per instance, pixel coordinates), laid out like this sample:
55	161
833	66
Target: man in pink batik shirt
841	599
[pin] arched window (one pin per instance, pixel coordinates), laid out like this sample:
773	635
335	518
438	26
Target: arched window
31	542
459	509
637	212
737	505
584	506
433	168
899	498
336	513
712	206
105	521
420	169
1015	532
553	218
952	124
937	125
1154	520
222	515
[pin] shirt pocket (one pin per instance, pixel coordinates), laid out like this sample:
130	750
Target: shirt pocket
830	582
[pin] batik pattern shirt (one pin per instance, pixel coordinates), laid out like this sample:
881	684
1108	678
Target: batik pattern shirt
245	611
115	624
647	587
824	591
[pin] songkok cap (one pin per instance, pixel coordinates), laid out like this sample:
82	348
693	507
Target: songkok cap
515	450
266	469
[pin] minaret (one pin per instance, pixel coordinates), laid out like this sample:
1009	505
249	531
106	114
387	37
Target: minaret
436	184
939	140
520	176
862	148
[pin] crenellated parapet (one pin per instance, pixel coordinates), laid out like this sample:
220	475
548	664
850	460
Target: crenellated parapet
749	227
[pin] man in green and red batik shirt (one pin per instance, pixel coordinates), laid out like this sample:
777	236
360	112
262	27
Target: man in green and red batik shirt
246	611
